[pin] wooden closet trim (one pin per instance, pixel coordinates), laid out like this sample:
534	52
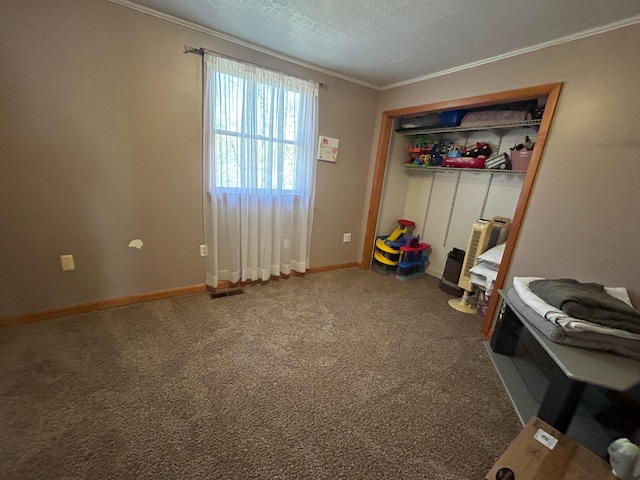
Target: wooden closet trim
551	91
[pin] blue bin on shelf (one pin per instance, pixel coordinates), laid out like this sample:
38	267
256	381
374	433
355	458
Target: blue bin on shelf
452	118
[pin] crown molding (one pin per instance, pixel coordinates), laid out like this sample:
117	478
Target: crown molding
558	41
237	41
193	26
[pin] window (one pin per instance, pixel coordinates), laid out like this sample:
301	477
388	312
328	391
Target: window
260	129
258	133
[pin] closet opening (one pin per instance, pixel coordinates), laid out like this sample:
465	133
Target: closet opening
388	161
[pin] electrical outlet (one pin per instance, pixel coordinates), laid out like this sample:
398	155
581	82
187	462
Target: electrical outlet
66	262
346	237
204	251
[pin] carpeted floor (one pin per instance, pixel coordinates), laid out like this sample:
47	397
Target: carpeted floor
339	375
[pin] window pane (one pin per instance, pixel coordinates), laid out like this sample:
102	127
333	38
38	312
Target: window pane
227	161
291	116
256	134
229	103
289	167
264	98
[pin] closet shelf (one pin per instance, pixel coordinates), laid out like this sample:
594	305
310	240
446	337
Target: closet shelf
470	128
463	170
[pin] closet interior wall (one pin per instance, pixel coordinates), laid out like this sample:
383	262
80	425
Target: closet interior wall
444	204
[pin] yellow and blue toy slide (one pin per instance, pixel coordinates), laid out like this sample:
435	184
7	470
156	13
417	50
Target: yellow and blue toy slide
387	248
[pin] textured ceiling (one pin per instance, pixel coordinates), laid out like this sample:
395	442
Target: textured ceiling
384	42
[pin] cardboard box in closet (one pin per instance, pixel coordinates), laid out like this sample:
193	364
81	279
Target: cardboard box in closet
540	452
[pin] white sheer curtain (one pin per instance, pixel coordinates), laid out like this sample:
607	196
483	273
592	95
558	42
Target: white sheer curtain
260	129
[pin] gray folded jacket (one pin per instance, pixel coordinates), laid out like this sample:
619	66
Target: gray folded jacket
622	346
587	301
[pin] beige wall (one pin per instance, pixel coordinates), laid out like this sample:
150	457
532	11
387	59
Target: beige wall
583	219
100	141
100	124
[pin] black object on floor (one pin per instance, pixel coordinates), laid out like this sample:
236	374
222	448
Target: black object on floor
452	271
226	293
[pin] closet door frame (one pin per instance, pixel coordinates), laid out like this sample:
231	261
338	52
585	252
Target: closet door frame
551	91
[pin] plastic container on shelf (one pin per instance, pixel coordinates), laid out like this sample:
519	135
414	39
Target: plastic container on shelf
520	159
451	118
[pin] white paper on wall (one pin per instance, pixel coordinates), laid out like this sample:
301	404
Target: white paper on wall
328	149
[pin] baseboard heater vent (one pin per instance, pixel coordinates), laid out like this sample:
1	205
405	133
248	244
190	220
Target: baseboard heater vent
226	293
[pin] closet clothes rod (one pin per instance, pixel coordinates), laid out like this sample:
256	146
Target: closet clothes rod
202	51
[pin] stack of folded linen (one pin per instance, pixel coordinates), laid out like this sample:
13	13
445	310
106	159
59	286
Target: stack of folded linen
485	272
582	314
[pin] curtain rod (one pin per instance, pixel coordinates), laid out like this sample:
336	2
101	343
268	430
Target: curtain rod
202	51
